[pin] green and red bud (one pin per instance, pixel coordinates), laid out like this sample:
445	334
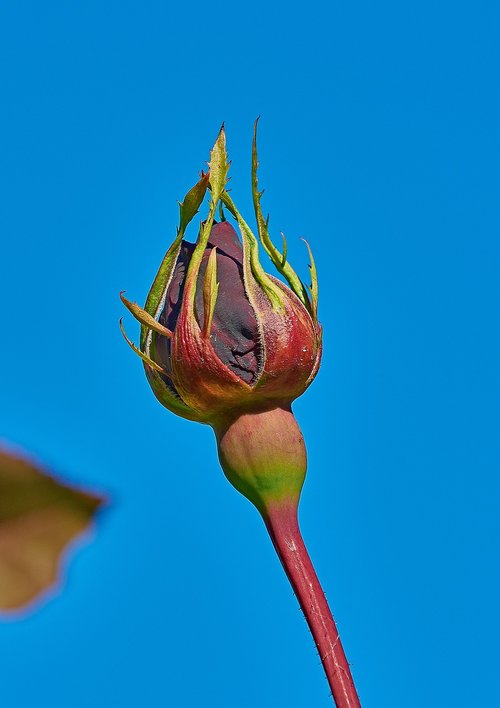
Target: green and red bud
227	344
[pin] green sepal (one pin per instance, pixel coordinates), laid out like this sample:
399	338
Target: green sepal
210	291
251	251
188	210
278	259
162	392
141	354
192	202
219	167
144	317
313	289
285	250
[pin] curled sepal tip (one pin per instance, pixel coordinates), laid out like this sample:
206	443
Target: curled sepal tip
144	317
285	250
140	354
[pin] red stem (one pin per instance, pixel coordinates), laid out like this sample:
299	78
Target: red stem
283	527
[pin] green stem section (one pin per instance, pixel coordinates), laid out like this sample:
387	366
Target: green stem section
282	524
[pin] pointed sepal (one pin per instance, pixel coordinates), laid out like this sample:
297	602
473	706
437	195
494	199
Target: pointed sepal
160	381
192	202
210	290
156	297
313	289
144	317
145	358
219	166
279	259
285	250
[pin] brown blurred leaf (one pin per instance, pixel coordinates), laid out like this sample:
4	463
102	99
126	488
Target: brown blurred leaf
39	518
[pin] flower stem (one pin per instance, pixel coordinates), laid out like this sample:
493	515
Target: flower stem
282	524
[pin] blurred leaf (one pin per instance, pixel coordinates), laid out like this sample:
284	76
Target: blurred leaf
39	518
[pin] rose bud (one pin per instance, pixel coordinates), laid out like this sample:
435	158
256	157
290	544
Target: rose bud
225	343
222	341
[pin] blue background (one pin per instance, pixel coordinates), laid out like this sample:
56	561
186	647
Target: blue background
379	143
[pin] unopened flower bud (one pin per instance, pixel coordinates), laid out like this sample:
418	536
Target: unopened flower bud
227	344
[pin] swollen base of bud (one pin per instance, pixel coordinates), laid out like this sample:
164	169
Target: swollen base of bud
263	456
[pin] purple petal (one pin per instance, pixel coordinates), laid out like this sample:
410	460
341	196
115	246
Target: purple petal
234	333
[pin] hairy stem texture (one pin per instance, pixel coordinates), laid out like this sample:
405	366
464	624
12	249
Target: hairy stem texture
282	524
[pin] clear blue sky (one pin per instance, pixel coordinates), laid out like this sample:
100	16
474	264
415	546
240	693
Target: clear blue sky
379	144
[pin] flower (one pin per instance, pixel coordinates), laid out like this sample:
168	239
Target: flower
222	341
